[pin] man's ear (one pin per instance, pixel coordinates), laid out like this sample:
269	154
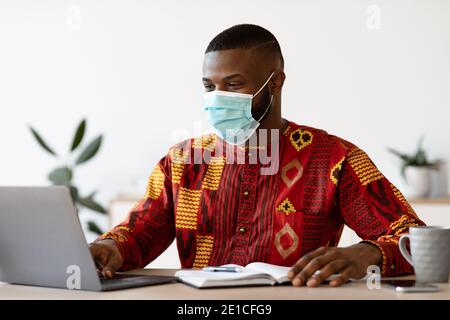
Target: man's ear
277	82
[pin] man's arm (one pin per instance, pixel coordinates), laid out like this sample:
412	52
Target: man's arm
377	211
146	232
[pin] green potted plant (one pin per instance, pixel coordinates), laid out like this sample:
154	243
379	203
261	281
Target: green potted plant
415	169
64	173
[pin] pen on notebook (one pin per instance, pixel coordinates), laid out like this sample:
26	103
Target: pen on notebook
222	269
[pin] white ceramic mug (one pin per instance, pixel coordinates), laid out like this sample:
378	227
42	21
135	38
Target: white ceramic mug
430	252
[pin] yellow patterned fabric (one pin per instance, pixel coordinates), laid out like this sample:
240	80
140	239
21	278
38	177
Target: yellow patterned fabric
203	252
213	173
124	228
116	236
400	197
286	207
363	167
390	238
155	183
301	138
335	170
207	142
188	204
402	225
287	130
179	158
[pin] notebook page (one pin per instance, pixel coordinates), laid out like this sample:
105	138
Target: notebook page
204	276
279	273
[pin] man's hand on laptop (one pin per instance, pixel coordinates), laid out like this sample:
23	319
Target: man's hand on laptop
107	257
350	262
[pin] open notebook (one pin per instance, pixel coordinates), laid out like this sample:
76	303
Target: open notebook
256	273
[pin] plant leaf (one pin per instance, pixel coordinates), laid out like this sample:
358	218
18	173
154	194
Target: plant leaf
74	193
421	159
420	143
92	194
61	175
79	134
90	151
402	156
91	204
41	141
92	226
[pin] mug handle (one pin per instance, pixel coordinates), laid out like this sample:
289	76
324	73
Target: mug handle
402	247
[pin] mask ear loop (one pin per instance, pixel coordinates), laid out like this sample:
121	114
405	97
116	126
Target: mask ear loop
271	97
268	79
267	109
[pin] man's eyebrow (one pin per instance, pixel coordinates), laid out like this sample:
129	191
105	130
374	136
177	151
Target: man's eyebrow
234	75
231	76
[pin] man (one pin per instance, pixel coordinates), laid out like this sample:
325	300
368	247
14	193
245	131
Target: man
222	211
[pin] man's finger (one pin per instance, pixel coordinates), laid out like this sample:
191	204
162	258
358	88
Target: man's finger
334	266
108	272
106	259
343	277
112	265
100	255
303	261
315	264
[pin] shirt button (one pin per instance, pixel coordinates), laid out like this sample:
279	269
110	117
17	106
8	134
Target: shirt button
245	193
392	266
242	229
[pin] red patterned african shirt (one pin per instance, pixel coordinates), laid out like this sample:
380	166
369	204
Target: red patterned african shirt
221	212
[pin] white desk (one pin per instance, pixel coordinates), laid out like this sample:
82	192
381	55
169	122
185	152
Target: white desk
178	291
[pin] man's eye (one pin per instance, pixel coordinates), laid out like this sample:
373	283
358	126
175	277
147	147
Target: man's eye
208	86
234	84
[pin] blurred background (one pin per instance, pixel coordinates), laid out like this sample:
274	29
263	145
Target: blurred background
374	72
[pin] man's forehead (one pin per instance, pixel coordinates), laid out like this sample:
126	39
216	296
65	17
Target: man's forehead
224	63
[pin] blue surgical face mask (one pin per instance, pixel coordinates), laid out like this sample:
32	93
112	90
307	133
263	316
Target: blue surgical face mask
230	114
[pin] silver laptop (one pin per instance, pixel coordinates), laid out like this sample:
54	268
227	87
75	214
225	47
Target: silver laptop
42	243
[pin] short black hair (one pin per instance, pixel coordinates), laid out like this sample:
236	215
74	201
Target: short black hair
245	36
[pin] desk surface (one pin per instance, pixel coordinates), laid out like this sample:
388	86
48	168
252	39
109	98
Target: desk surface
179	291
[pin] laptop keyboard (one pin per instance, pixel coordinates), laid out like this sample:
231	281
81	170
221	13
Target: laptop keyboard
117	276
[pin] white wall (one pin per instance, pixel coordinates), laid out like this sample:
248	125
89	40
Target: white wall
133	68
